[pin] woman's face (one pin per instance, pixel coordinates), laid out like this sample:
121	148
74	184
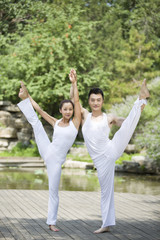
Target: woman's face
67	110
95	102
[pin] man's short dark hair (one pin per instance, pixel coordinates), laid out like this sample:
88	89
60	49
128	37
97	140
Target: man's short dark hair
96	91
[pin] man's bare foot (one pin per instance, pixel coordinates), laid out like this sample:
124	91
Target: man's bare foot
102	230
144	93
23	92
53	228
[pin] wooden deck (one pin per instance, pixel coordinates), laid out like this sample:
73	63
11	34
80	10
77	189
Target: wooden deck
23	216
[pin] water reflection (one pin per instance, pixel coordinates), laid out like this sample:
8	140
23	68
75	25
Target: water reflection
79	180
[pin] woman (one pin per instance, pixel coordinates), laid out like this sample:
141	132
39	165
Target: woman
54	153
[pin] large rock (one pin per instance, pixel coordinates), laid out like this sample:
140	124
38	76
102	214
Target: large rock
5	103
12	108
139	159
6	119
49	130
80	151
78	164
3	143
129	166
24	137
12	144
130	148
2	149
8	132
21	123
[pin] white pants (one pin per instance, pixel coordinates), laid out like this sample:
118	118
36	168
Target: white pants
51	160
106	162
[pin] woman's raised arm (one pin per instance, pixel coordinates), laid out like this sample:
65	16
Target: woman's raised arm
77	107
23	94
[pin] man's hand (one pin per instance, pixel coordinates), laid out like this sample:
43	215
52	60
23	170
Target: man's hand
73	76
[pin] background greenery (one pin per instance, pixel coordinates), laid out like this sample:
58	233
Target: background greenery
112	44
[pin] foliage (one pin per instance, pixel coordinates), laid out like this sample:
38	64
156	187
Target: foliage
148	134
125	157
148	130
22	151
44	52
110	44
79	158
149	139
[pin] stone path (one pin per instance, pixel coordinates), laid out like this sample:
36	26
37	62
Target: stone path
23	215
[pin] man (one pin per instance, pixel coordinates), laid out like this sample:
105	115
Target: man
103	151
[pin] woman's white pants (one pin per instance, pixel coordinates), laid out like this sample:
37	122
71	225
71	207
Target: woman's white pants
52	163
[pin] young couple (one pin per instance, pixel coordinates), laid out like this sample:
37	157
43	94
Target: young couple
96	126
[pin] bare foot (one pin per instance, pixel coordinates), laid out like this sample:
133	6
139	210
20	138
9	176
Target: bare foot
144	93
23	92
102	230
53	228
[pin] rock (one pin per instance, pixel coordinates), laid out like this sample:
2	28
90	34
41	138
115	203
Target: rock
5	103
130	148
27	131
3	143
22	123
19	115
6	119
8	132
139	159
12	144
5	114
2	149
12	108
78	164
80	151
79	143
129	166
23	136
49	130
119	168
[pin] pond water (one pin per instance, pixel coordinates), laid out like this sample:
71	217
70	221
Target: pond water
80	180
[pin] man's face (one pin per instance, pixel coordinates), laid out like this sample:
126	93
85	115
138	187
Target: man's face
95	102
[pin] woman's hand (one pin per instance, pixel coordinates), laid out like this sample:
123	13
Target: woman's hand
73	76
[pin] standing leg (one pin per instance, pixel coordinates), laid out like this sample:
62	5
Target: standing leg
105	172
54	174
41	137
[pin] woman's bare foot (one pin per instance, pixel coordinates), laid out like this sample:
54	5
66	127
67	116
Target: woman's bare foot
102	230
23	92
144	93
53	228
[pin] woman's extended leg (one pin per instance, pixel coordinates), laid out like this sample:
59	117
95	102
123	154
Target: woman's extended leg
41	137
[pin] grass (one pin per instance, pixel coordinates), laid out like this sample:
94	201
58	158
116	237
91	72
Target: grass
20	150
86	158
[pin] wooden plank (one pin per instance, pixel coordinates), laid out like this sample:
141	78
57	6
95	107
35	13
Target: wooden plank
23	216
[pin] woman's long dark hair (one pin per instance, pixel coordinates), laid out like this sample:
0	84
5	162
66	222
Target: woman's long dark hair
65	101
